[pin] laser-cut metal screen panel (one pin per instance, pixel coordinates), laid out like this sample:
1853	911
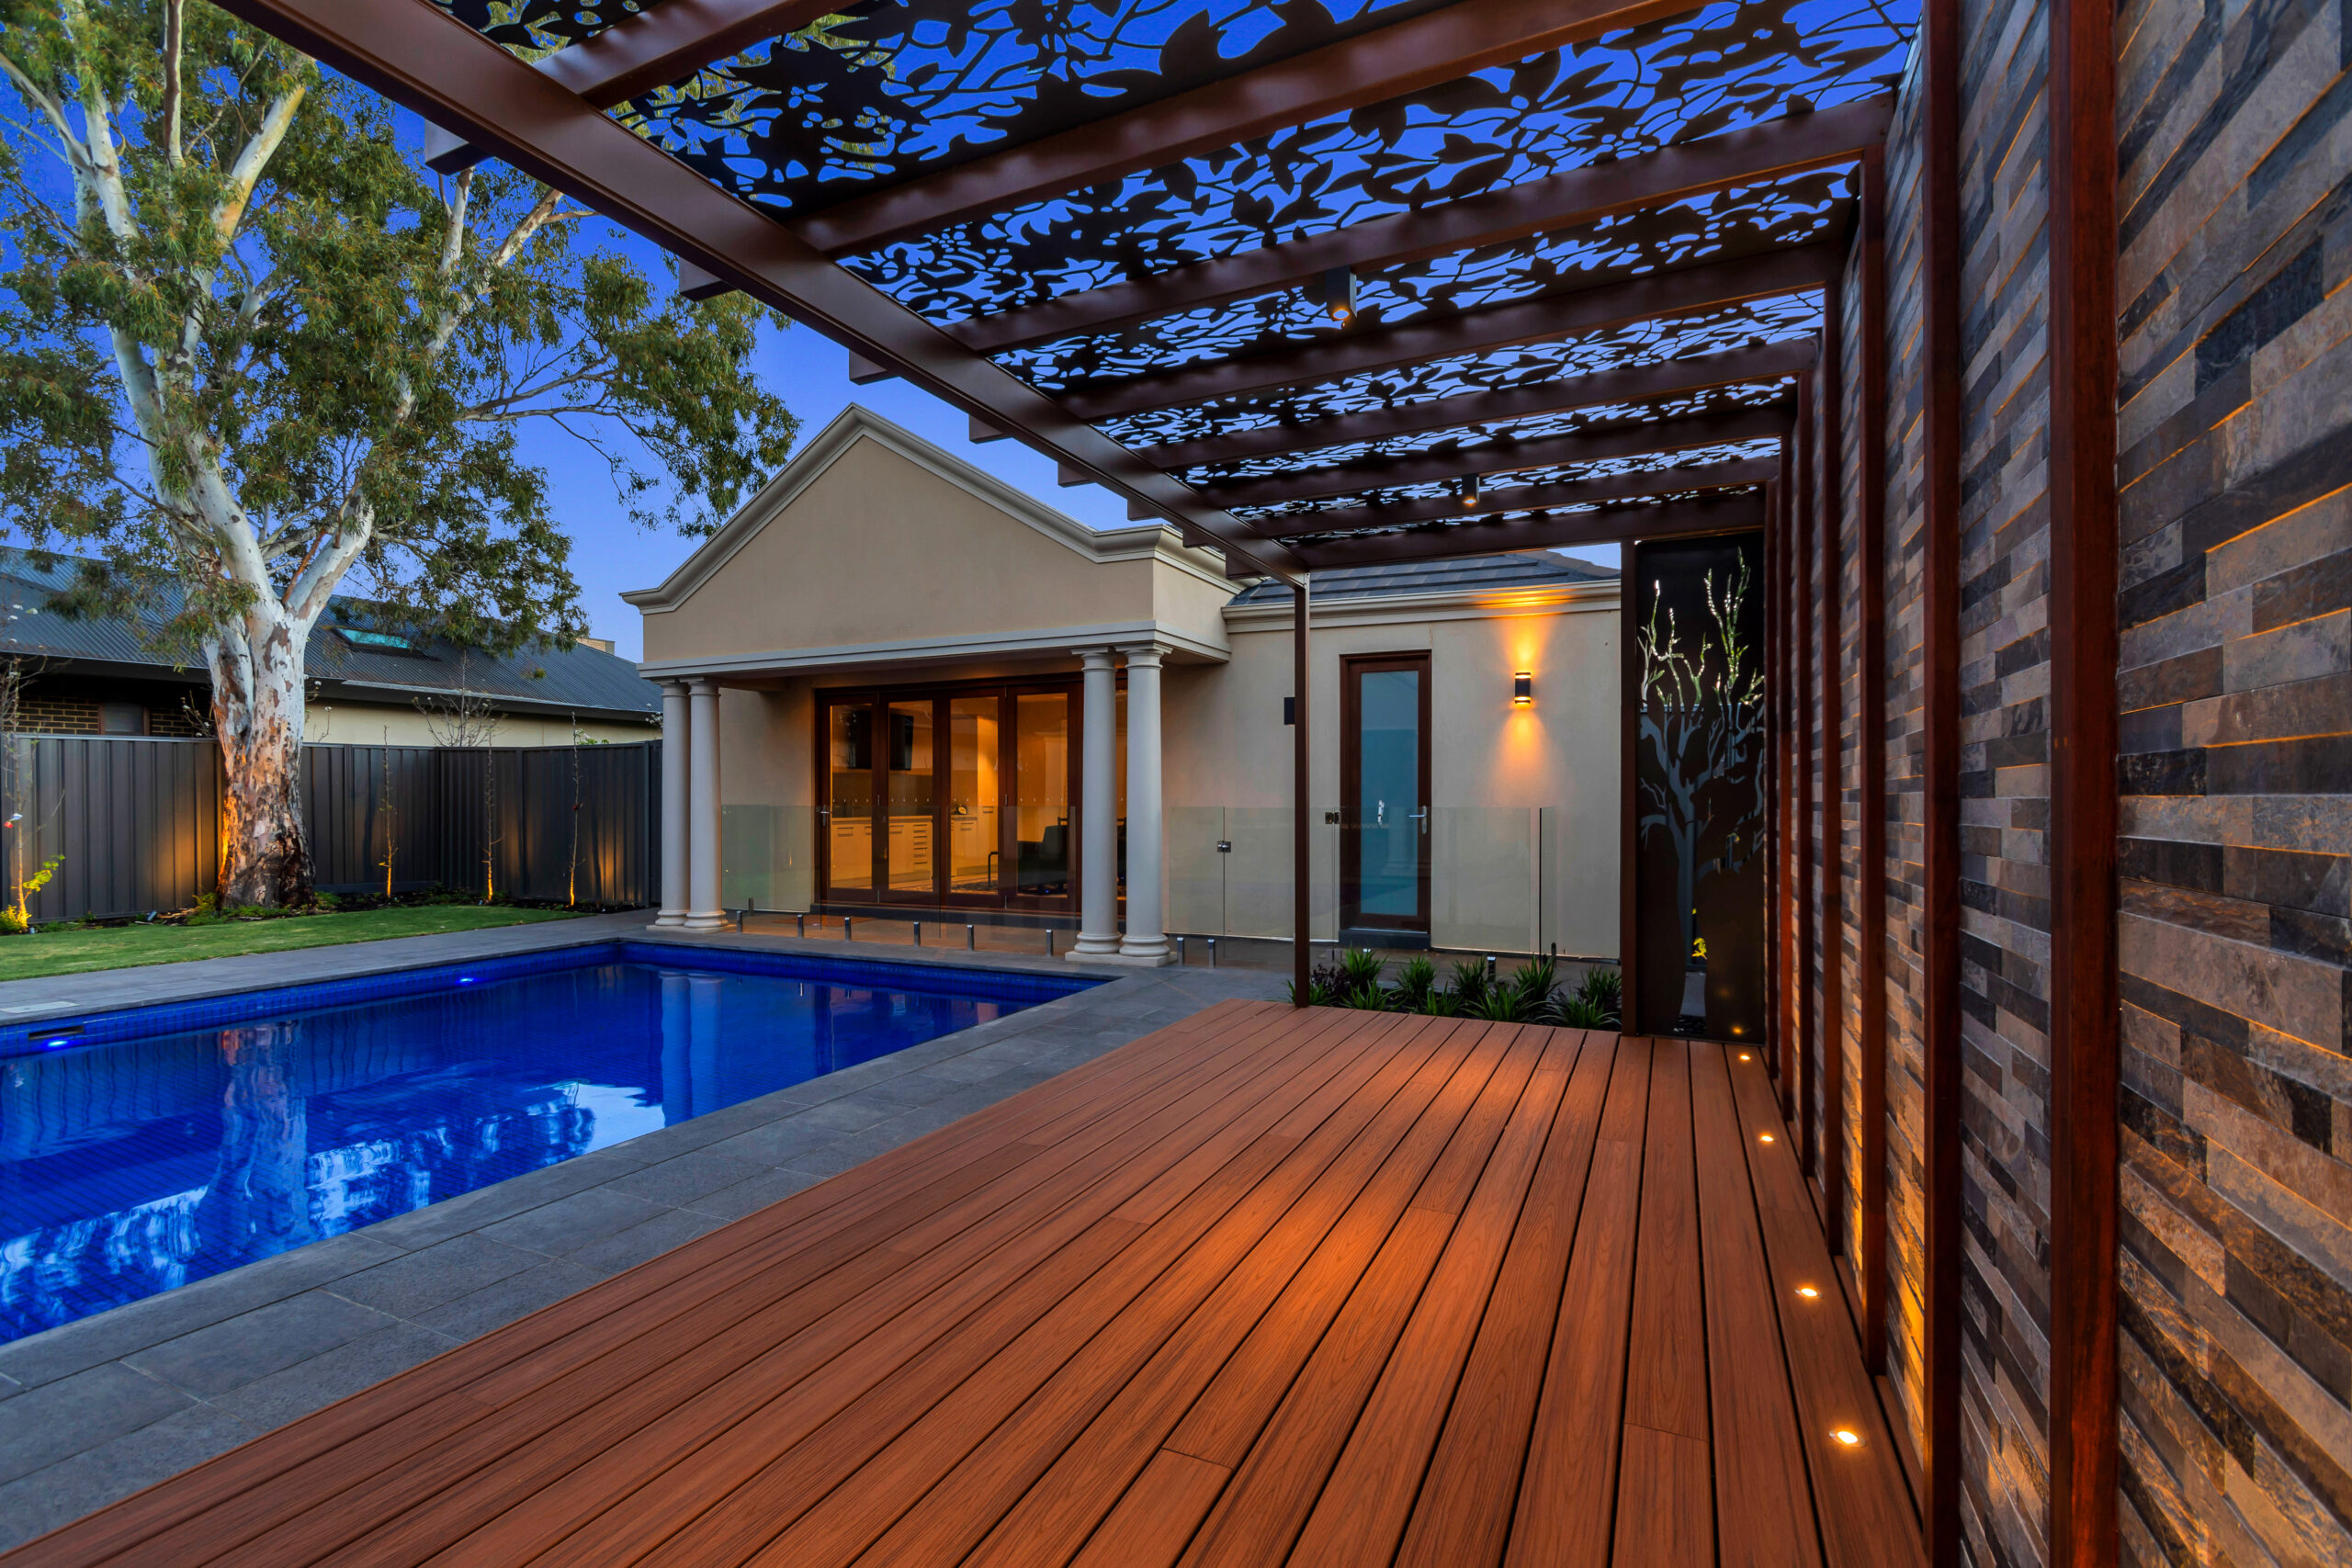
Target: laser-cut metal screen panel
1719	68
1697	637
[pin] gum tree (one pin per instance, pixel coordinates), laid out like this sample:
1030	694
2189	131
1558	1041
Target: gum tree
253	354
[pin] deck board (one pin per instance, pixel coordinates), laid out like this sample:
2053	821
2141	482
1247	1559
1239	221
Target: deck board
1325	1289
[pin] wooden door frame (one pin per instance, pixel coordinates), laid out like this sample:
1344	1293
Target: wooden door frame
1352	667
825	705
877	700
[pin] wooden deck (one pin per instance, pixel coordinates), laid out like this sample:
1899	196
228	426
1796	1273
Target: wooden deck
1328	1288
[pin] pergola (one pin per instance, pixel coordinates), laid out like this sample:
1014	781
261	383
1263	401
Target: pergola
1325	284
1320	284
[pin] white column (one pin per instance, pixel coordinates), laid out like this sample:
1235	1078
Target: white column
703	913
674	804
1146	942
1098	810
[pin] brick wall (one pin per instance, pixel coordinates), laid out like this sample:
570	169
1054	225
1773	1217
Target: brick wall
2236	856
65	704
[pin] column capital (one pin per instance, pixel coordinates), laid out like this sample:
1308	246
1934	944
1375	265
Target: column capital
673	688
1096	658
703	685
1145	653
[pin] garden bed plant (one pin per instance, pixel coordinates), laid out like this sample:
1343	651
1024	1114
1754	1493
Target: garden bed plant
1531	994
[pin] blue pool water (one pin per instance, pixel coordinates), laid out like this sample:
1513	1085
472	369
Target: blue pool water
142	1150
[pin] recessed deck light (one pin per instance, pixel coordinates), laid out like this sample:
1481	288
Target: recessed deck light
1808	1292
1846	1438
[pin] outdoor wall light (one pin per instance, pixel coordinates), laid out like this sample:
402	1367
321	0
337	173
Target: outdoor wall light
1466	492
1522	689
1337	295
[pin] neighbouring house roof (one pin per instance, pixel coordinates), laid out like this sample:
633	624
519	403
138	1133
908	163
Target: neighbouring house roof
1462	574
345	654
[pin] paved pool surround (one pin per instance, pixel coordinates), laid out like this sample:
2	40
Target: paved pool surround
96	1409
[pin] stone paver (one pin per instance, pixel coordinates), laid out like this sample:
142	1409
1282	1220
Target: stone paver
96	1409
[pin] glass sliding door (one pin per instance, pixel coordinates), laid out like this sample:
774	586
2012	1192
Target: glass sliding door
911	849
1384	793
951	795
850	799
974	822
1045	846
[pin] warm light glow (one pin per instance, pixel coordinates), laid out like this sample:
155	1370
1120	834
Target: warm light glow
1808	1292
1763	1138
1846	1437
1744	1056
1467	491
1337	295
1522	689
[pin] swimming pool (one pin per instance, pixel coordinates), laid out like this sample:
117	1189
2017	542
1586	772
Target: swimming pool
143	1149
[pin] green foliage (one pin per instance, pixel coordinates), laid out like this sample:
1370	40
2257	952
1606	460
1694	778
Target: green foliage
1501	1004
1415	982
12	923
1367	998
253	354
1359	967
1576	1011
272	296
1468	981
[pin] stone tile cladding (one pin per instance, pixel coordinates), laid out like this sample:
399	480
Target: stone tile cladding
2236	855
1905	738
2004	785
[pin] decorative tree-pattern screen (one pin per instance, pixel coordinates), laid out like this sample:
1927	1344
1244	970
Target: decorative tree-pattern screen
1698	783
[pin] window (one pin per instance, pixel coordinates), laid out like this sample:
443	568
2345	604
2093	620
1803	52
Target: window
386	642
121	718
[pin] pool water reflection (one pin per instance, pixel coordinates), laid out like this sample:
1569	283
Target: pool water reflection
138	1164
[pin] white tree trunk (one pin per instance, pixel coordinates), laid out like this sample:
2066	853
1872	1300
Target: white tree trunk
257	714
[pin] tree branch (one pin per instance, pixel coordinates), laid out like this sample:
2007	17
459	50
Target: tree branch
251	160
167	110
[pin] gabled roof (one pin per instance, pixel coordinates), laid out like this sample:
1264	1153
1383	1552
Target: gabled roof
584	679
857	422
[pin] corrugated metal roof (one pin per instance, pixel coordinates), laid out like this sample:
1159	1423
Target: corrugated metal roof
1524	570
584	679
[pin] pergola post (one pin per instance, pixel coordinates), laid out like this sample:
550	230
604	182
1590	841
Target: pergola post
2085	1069
1943	368
1301	849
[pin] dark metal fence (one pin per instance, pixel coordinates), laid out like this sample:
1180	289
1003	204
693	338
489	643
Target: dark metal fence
132	823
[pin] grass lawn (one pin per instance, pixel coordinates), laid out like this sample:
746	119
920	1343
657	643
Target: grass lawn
53	951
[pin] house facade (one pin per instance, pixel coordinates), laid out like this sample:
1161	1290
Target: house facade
894	685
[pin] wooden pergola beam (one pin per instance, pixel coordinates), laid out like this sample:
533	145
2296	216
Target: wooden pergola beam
443	71
1757	152
1632	384
1639	439
1709	285
1605	526
1404	57
1524	498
